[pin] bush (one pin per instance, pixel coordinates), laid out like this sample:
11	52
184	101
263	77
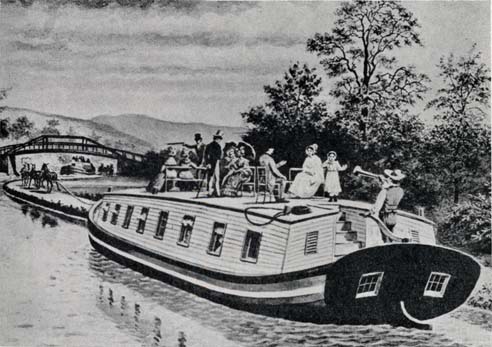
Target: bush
468	224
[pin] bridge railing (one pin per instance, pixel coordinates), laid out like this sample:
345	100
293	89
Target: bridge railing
69	143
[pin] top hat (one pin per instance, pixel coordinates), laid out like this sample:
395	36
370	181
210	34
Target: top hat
395	175
198	136
219	134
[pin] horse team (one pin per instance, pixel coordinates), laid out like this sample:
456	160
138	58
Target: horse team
29	175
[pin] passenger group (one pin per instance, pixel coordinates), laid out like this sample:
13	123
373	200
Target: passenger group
225	169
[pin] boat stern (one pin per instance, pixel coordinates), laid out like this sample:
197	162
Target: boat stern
403	284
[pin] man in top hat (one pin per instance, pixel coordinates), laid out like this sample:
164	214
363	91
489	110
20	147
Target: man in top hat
212	156
389	198
273	174
199	149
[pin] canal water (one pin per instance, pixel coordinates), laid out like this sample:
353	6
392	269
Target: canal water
55	290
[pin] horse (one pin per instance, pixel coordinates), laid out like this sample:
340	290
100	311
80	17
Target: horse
25	175
34	175
48	176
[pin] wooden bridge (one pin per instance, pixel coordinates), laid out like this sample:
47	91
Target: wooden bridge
63	144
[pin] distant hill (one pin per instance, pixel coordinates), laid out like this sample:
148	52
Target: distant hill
100	132
159	132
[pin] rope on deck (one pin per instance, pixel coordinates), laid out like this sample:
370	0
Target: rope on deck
58	184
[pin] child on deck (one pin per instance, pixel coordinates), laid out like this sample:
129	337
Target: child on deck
332	180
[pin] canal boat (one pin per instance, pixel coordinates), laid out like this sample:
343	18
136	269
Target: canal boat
307	259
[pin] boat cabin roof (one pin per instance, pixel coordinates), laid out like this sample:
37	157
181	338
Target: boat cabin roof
318	207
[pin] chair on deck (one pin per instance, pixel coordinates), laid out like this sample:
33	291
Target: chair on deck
250	184
263	177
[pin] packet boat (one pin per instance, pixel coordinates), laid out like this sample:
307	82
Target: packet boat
308	260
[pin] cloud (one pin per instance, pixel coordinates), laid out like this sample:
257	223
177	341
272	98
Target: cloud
187	59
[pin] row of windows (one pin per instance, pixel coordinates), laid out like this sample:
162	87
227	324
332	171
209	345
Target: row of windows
370	283
252	240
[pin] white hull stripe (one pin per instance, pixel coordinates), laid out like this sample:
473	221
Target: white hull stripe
318	289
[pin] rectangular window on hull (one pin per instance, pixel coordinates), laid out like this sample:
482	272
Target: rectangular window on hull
436	284
369	285
311	245
251	247
115	214
161	226
415	236
186	229
128	217
217	239
105	212
142	219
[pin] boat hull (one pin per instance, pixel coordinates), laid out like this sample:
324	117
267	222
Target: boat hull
325	294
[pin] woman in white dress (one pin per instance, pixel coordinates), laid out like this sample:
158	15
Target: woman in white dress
307	182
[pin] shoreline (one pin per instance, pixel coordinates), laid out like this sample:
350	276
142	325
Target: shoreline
58	203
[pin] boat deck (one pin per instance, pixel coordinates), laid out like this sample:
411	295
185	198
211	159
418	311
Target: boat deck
319	206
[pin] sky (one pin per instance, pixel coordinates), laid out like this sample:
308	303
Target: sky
191	61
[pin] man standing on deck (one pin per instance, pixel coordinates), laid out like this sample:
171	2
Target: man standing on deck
212	156
273	174
199	149
389	198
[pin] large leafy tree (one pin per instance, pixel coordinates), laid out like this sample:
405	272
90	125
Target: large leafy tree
374	91
460	141
292	117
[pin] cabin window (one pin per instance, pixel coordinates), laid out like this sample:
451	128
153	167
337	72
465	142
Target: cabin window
311	245
415	236
105	212
436	284
115	214
251	247
186	229
142	219
161	226
128	216
217	239
369	284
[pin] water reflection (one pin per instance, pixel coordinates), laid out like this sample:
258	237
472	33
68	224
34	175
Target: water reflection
250	329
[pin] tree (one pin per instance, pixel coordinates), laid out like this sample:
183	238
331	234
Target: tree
21	127
4	128
468	224
51	127
460	140
370	85
4	123
292	117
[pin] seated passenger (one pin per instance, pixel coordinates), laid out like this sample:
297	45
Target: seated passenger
171	161
185	174
307	182
272	174
239	173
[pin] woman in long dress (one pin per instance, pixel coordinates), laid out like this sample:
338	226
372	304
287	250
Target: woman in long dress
239	173
332	181
307	182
